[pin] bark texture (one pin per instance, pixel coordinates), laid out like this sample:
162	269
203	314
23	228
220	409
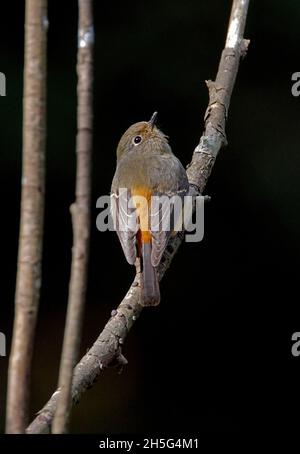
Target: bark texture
81	215
32	216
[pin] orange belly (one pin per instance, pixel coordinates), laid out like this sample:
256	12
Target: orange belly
141	196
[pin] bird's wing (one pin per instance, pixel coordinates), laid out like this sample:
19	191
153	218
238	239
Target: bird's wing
125	222
166	217
160	216
167	210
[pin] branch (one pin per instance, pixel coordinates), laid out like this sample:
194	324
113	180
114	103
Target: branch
81	215
32	216
106	351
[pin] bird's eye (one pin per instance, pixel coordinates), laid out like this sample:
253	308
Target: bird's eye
137	140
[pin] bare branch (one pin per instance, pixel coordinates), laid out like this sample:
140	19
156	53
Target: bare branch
81	215
107	348
32	216
105	352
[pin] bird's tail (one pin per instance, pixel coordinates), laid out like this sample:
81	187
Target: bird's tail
150	294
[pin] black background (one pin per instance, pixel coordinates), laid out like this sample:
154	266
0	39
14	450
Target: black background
216	354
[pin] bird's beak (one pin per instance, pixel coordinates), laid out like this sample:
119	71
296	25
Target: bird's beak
152	121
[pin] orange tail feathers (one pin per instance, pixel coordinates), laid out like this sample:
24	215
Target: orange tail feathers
150	294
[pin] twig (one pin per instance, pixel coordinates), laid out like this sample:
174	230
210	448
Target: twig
107	349
81	215
32	216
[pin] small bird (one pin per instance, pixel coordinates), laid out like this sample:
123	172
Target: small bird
146	171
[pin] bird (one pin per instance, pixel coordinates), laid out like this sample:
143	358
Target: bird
147	176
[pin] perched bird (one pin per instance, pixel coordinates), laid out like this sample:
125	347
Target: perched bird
147	171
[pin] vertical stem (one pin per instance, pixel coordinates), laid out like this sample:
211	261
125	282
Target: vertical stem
80	212
237	22
32	216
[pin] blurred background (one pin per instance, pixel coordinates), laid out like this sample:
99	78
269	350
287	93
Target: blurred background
216	354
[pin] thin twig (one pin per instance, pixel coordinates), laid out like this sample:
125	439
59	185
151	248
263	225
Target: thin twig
32	216
81	214
106	351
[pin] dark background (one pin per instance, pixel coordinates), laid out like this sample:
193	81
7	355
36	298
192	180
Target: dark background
216	354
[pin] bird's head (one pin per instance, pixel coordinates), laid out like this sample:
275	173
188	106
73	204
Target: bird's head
143	137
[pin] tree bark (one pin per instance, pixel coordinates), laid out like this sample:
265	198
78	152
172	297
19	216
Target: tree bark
81	215
106	351
32	216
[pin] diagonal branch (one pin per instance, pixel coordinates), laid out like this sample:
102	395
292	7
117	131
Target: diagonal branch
81	214
32	216
106	351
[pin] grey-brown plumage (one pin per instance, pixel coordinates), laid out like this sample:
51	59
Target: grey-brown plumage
146	169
